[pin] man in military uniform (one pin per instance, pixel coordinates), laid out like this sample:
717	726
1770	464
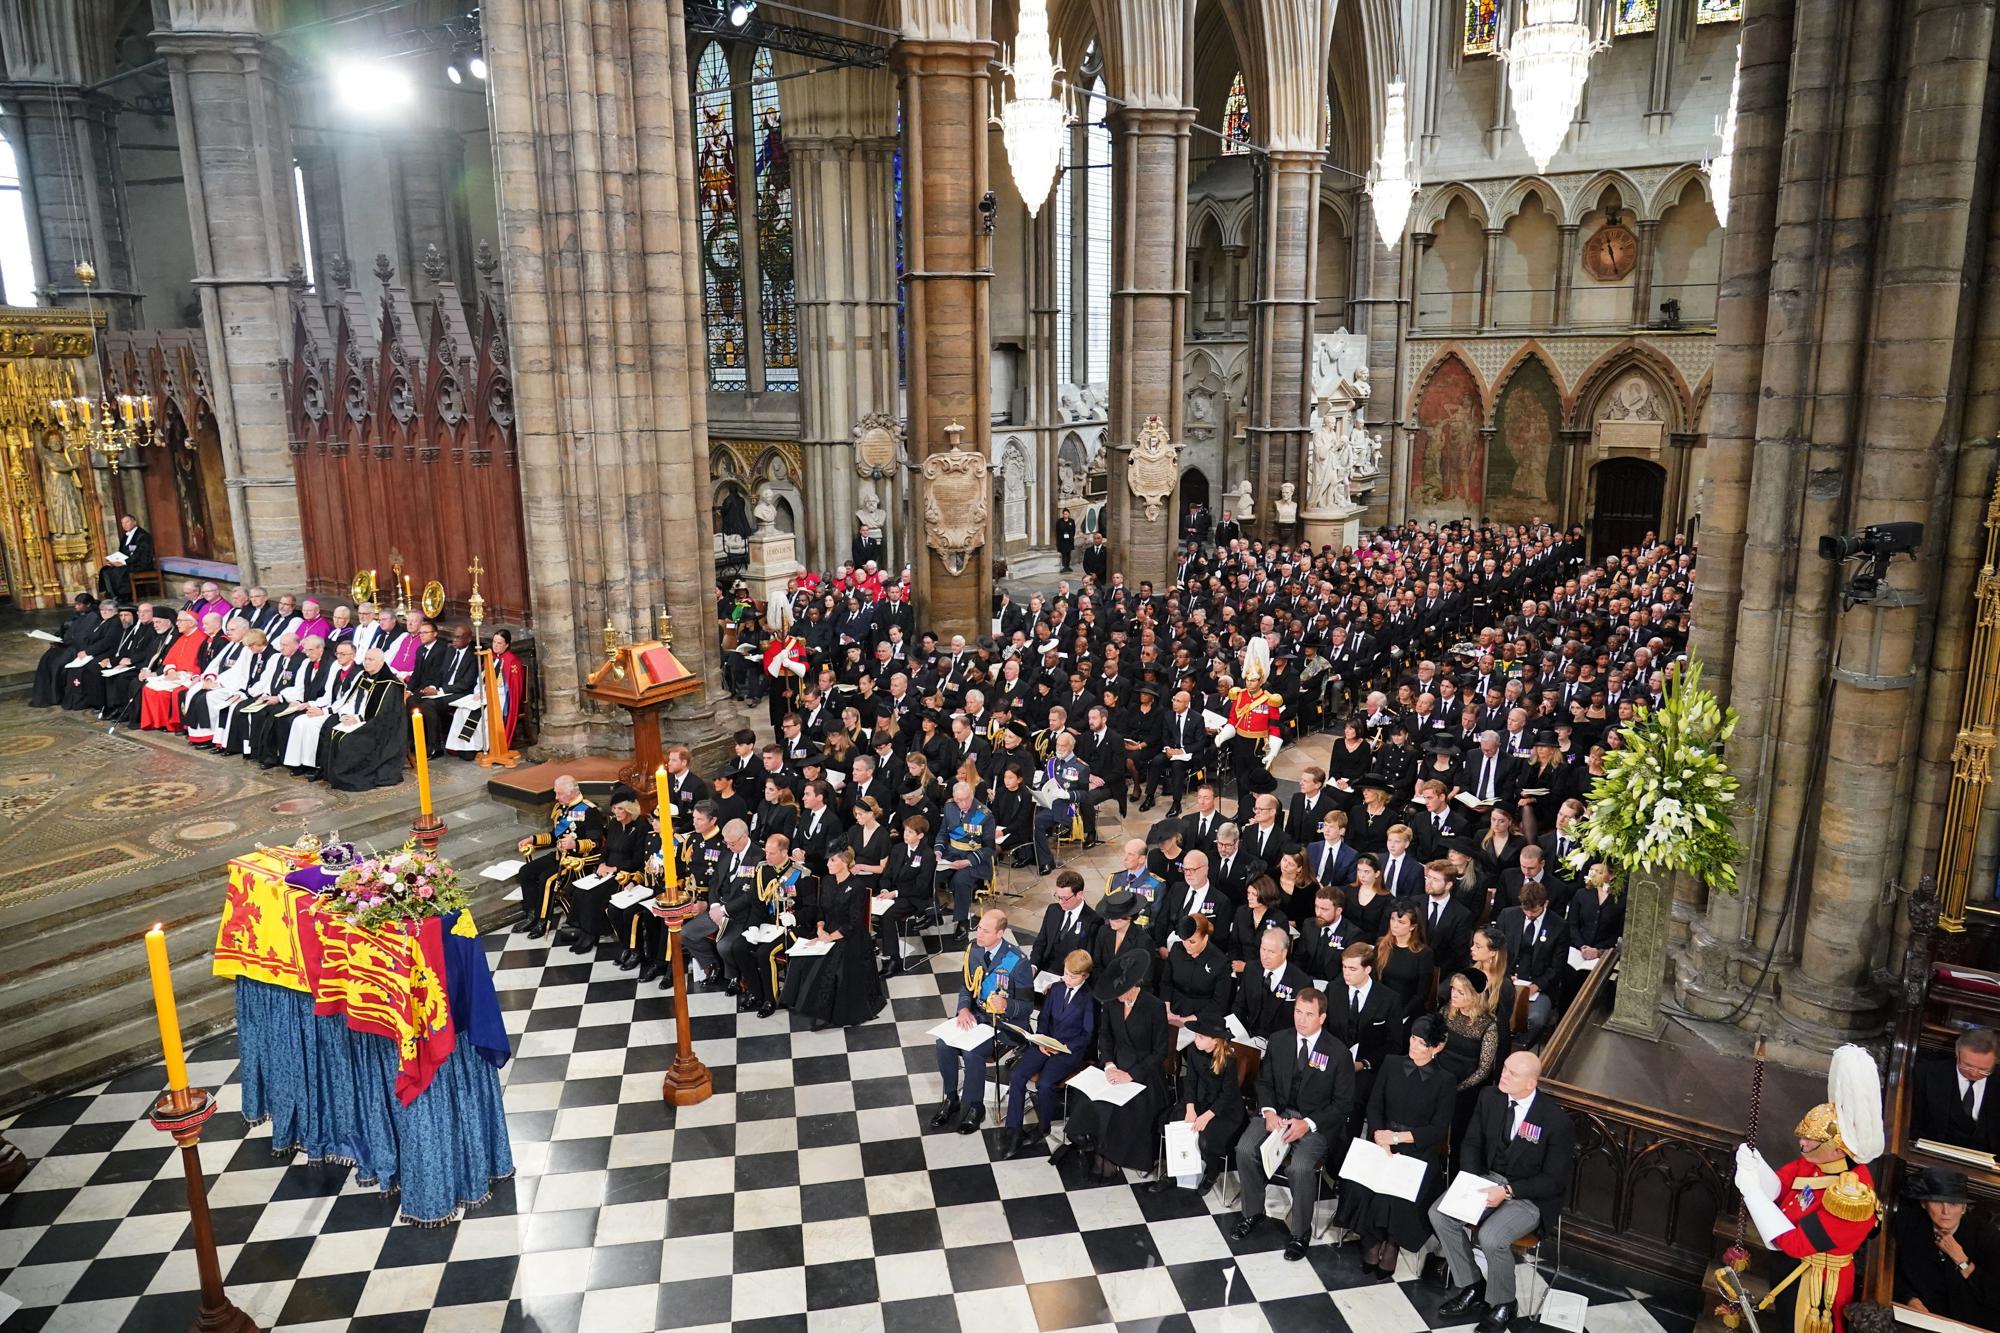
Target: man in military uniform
1073	775
775	882
1141	879
1819	1207
998	987
1253	726
965	849
567	850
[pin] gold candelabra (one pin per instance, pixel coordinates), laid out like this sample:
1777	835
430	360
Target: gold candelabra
1979	729
108	426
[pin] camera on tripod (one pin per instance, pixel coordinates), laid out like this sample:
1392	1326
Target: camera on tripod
1874	546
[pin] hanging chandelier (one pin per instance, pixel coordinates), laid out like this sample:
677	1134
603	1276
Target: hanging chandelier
1548	59
1394	187
1720	165
1033	120
107	426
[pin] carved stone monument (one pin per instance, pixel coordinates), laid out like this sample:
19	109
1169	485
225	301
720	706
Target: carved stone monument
958	498
774	554
1331	515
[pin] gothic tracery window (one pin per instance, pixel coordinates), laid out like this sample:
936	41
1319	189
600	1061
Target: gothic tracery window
748	292
1482	27
1236	117
1636	17
1718	11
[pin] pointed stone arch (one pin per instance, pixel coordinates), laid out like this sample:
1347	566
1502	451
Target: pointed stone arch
1604	373
1450	413
1434	203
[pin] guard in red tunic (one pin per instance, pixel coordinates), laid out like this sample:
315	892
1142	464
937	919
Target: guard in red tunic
1819	1207
1252	732
786	659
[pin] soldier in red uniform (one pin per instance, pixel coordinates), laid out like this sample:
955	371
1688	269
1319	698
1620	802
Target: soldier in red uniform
1252	733
1819	1207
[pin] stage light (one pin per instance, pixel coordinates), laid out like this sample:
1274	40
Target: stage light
372	87
478	66
451	72
740	12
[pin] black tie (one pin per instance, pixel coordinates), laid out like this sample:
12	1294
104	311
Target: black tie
1968	1099
1486	778
1437	910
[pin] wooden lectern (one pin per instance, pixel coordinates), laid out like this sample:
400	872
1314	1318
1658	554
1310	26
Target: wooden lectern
642	678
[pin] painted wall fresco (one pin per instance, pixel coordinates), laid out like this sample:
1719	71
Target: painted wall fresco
1524	470
1448	458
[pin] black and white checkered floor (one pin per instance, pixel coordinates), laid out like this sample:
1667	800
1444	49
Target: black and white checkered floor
805	1194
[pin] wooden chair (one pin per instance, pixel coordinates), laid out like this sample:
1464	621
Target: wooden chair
147	583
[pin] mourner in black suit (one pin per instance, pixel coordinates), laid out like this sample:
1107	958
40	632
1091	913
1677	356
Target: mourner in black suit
1305	1089
1538	947
1264	993
1447	925
1070	923
911	880
136	545
1524	1143
1955	1100
1368	1018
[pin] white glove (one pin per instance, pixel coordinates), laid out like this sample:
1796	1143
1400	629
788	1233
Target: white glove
1754	1175
1771	1222
787	920
1277	744
1224	736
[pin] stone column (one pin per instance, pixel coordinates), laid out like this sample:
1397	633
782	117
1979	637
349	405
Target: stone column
840	133
594	166
1284	49
1146	66
1565	274
947	268
66	148
1913	404
426	164
1382	311
235	143
1642	273
1489	276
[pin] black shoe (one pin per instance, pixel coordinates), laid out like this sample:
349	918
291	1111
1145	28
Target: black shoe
970	1125
539	929
565	935
525	923
627	960
1242	1230
666	980
1208	1179
1174	811
1498	1320
1436	1273
1062	1150
1376	1273
958	933
1089	843
818	1025
745	1002
1470	1300
1295	1249
1160	1184
890	967
651	970
1151	800
1048	869
766	1009
714	985
1028	1142
583	945
945	1114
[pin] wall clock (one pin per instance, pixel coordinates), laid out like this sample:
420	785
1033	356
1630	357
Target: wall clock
1612	251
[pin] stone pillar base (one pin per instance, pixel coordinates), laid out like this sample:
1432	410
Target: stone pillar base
1705	983
1336	527
773	561
1827	1016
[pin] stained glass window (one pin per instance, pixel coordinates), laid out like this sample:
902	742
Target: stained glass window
777	311
1718	11
721	243
1236	117
1097	279
1636	16
1482	27
902	304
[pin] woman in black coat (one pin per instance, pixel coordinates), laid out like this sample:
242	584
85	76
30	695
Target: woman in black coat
911	882
870	840
1211	1099
1352	757
1118	934
1198	979
1014	815
1134	1037
840	987
625	835
1409	1114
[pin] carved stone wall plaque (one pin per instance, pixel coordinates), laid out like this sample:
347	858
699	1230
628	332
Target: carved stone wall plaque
875	445
1153	467
958	497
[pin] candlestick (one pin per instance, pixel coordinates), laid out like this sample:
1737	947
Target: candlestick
670	875
423	762
163	1004
146	409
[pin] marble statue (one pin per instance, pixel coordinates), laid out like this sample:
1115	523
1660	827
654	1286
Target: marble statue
1366	454
1287	507
1329	463
764	512
871	514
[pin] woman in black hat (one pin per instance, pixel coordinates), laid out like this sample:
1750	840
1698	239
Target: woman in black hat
1352	757
1133	1039
1409	1114
1947	1261
1211	1099
1368	824
1197	978
1119	933
842	986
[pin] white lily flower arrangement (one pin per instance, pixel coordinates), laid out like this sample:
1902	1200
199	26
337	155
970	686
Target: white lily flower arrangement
1667	800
